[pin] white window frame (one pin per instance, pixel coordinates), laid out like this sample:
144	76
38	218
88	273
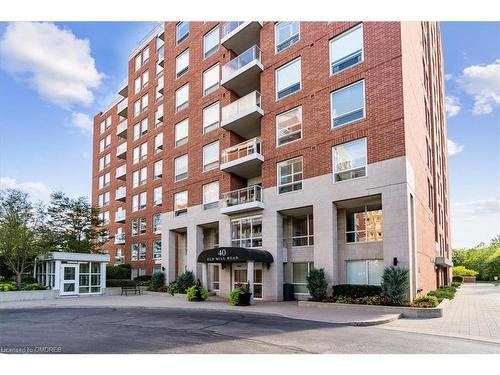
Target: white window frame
367	269
213	50
214	125
181	106
156	253
351	169
345	57
142	252
276	78
309	236
158	142
346	232
242	239
301	127
181	211
156	223
158	169
278	186
310	265
134	252
176	178
157	201
215	86
214	203
180	70
332	119
181	141
214	164
184	37
276	25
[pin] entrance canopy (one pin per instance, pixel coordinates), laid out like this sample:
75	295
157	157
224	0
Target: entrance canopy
234	254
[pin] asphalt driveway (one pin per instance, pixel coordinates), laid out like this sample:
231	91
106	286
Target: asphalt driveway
173	330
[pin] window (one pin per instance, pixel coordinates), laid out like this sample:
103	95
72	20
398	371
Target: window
302	230
364	223
142	225
158	169
103	199
211	116
346	49
365	272
211	195
430	195
140	128
142	254
137	107
104	180
348	104
211	42
134	251
135	203
288	79
105	161
144	102
141	82
289	126
181	31
139	201
142	200
137	85
349	160
105	125
157	196
157	249
290	175
105	143
211	79
182	64
145	55
215	277
182	98
246	231
287	33
158	142
180	203
181	167
135	227
145	78
299	276
140	153
156	223
181	132
211	156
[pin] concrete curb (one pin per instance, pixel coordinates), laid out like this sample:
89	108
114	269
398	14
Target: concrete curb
405	312
358	323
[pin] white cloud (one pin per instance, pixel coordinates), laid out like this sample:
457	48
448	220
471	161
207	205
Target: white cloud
482	82
452	104
454	148
474	209
36	190
447	77
57	64
82	122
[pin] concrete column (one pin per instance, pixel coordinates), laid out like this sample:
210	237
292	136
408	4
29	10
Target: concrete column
57	275
272	241
168	255
325	240
194	246
103	277
204	275
250	271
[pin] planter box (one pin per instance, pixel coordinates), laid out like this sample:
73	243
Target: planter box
406	312
28	295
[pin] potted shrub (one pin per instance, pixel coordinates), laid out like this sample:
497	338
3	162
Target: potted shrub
240	296
395	285
196	293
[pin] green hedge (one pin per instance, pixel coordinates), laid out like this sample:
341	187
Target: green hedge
356	291
120	271
458	279
110	283
425	301
443	292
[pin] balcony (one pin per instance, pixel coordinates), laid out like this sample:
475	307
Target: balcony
121	194
239	35
124	89
120	216
121	129
444	261
242	74
122	108
121	172
244	159
243	115
161	55
241	200
119	238
121	151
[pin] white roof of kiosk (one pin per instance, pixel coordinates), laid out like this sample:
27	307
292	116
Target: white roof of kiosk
74	257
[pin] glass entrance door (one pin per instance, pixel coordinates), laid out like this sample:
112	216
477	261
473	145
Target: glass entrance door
68	281
240	276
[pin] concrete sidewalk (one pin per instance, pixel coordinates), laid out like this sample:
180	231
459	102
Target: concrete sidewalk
163	300
474	314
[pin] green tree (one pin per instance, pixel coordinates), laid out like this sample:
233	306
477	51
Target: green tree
73	225
395	285
20	228
483	260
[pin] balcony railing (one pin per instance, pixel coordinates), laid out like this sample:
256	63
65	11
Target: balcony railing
245	58
246	195
121	129
161	55
241	150
241	106
121	150
120	215
119	238
121	193
122	108
121	172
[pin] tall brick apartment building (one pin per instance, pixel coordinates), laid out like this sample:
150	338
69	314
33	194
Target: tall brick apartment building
253	151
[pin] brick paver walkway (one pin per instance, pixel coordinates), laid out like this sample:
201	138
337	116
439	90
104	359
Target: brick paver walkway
473	313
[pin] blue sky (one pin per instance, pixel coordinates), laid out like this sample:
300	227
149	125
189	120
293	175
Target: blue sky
49	97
